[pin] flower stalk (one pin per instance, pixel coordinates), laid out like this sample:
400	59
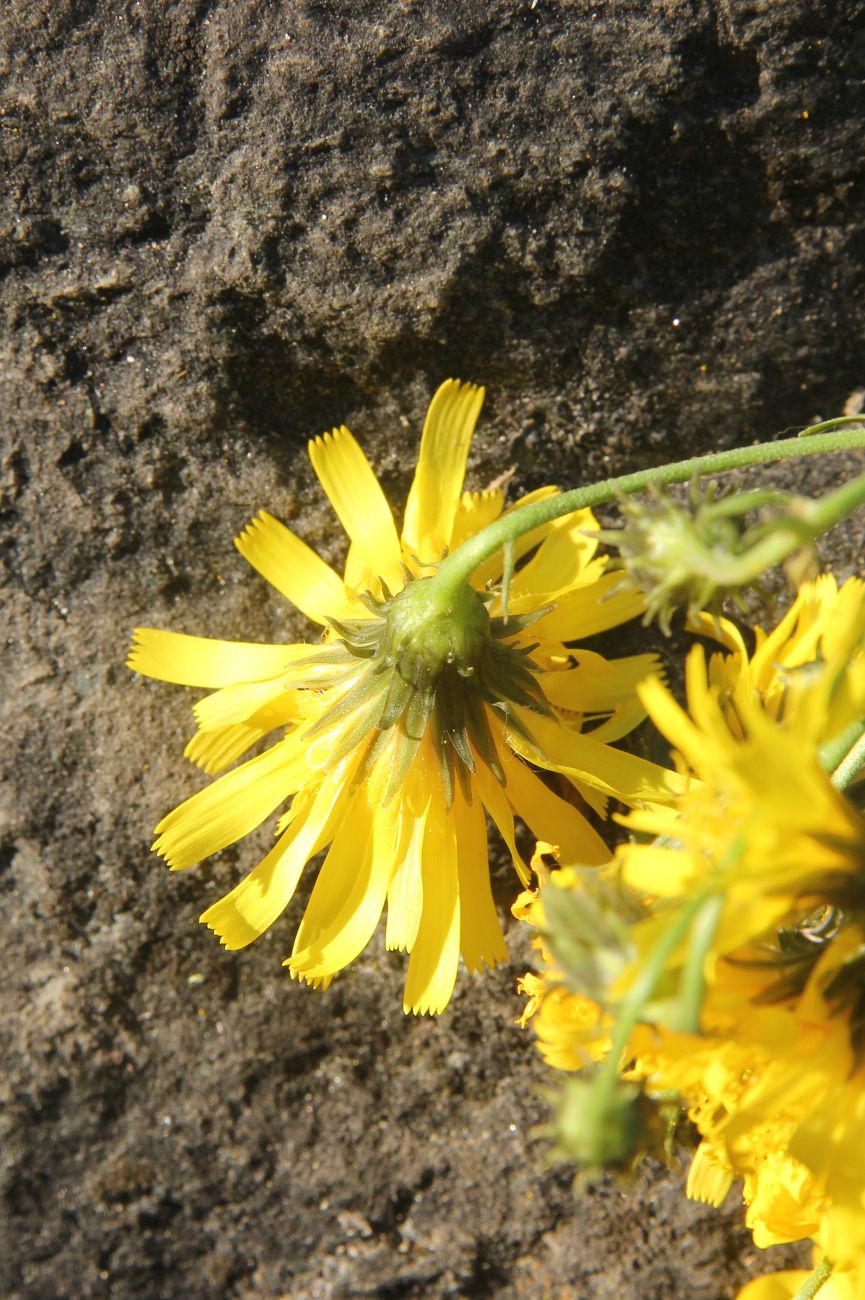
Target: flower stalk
851	765
815	1280
846	433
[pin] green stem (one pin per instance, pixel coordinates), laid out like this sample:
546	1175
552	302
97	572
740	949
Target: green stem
693	982
833	753
815	1280
739	504
457	568
641	991
633	1003
850	766
790	534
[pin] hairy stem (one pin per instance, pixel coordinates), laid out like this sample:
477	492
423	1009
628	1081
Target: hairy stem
850	766
814	1281
456	569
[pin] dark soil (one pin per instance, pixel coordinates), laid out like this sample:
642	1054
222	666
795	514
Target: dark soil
224	226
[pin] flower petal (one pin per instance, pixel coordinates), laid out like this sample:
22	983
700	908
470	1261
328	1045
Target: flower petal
672	720
710	1176
356	496
432	966
481	939
661	872
435	492
715	628
349	895
202	661
345	861
621	723
785	1285
624	776
232	704
596	684
604	602
253	905
405	891
550	817
214	751
495	801
276	700
359	576
214	748
295	570
491	569
560	561
475	511
231	807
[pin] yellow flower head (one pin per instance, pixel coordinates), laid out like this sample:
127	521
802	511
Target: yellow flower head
761	822
778	1098
775	1080
765	850
406	724
582	943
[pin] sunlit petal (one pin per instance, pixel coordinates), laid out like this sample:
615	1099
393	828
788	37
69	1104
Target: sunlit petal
356	496
434	497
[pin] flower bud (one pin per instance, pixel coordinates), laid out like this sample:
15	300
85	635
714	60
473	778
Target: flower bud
597	1126
690	554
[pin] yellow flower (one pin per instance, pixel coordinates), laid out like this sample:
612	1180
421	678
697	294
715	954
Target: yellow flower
768	851
762	822
779	1101
749	756
401	730
775	1079
570	1027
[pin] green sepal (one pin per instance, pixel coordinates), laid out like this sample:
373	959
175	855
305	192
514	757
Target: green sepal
516	687
502	628
417	713
405	748
339	656
369	684
444	759
366	719
399	692
515	723
481	736
374	748
451	708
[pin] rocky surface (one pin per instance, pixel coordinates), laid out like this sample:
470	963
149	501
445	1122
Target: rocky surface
226	225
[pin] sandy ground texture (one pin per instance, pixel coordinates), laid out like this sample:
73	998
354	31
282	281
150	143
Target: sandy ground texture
224	226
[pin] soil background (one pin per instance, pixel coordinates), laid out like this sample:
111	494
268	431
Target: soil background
226	225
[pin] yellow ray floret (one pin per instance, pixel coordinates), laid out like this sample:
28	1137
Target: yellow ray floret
200	661
295	570
355	494
438	482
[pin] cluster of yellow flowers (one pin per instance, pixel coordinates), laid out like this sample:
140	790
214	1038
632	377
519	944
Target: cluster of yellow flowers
717	957
755	1014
